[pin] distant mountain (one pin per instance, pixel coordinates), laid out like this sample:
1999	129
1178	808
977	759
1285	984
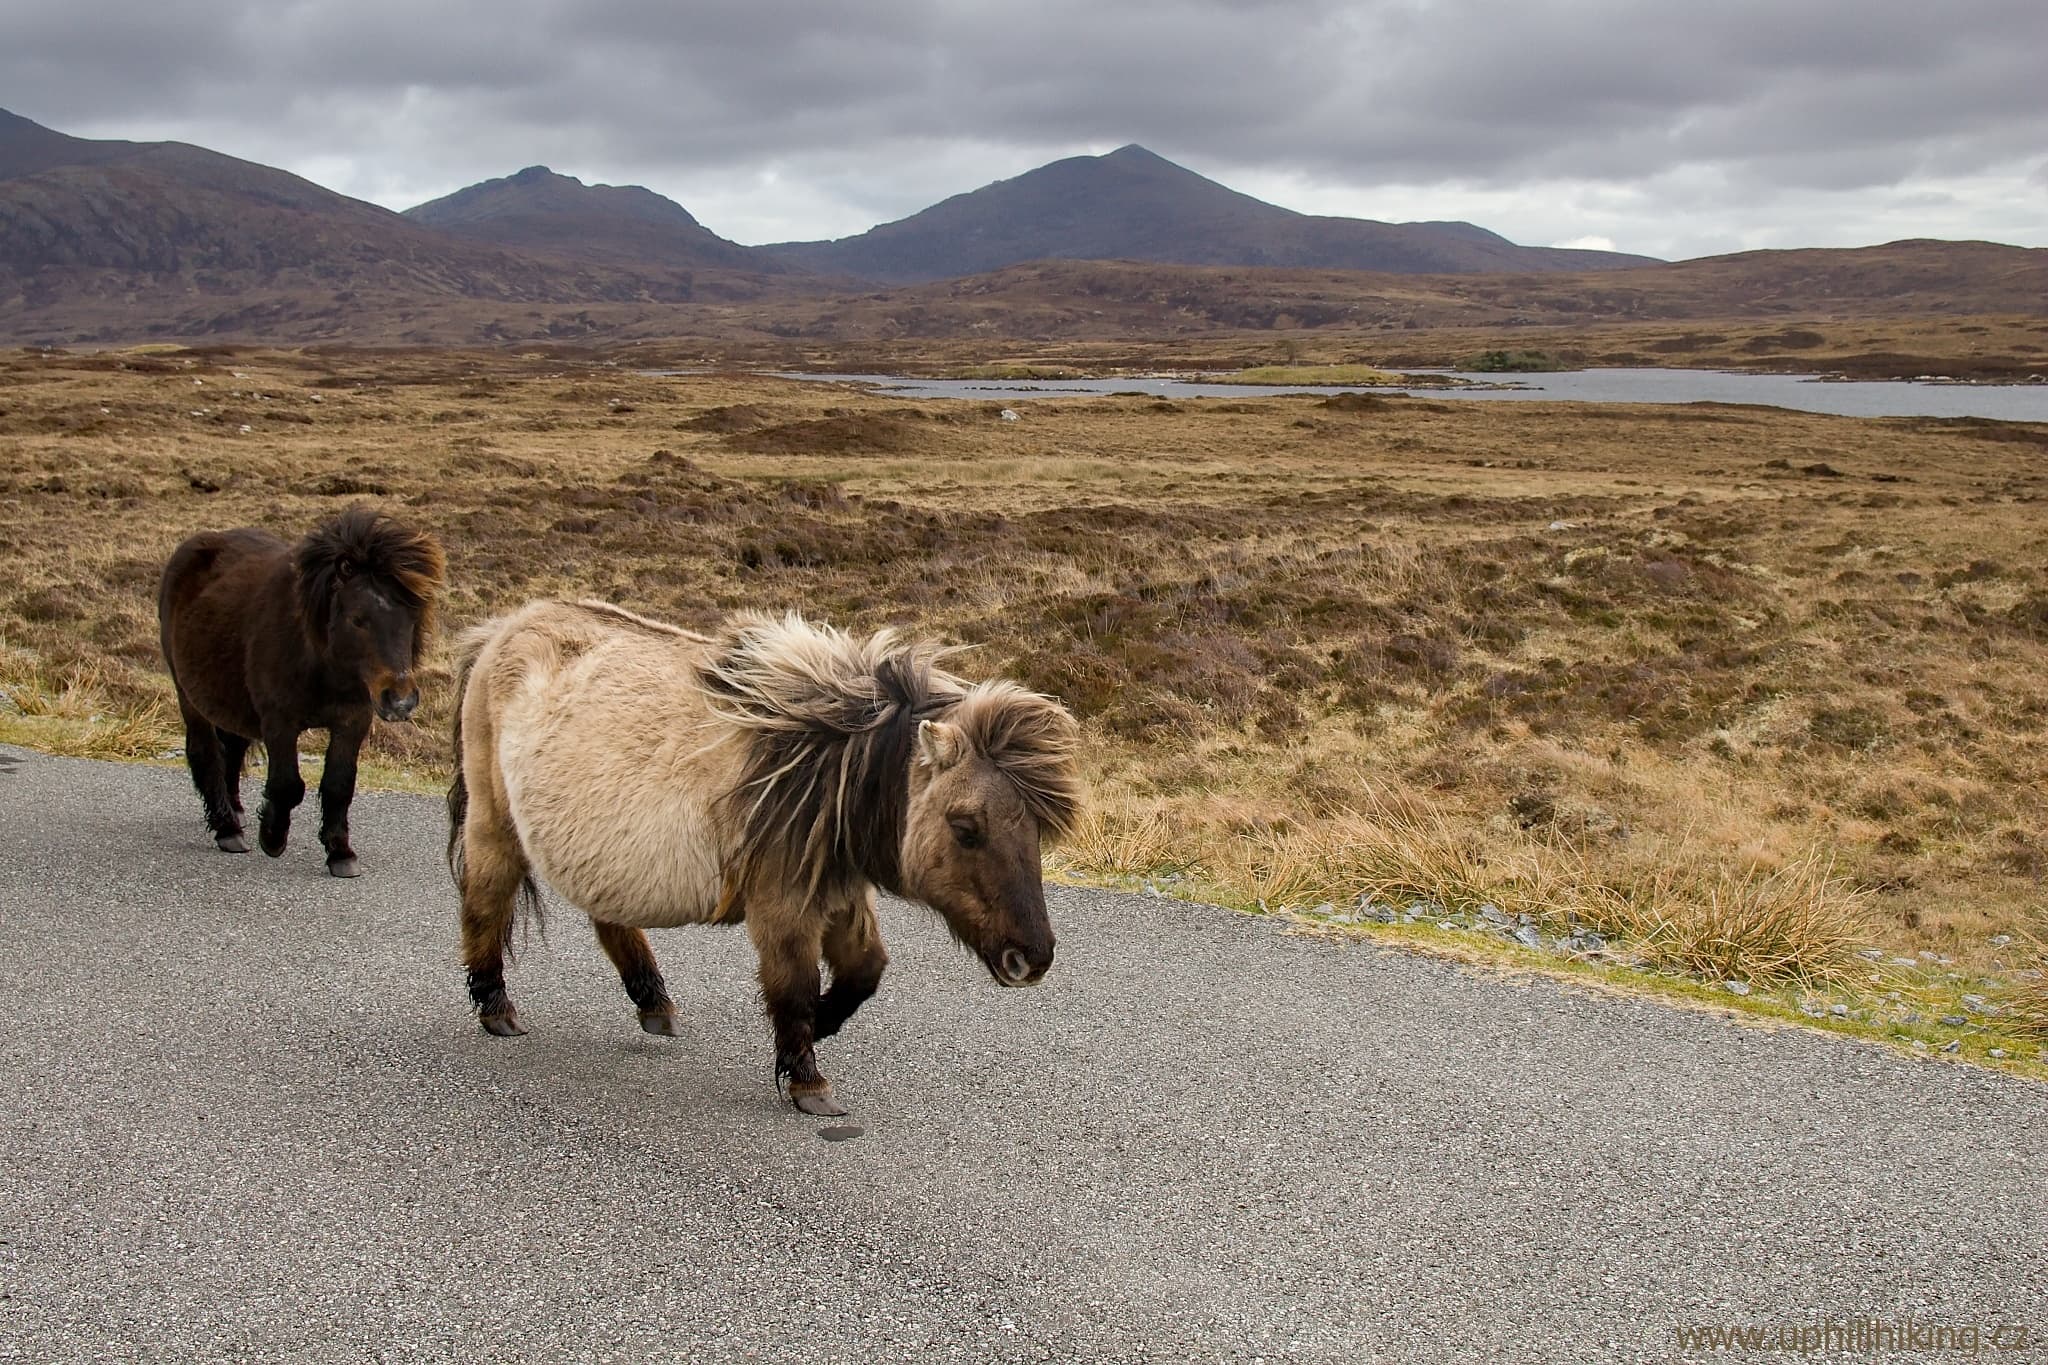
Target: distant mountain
170	209
627	225
142	239
107	241
1132	204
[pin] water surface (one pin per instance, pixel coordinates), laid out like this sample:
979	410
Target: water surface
1804	393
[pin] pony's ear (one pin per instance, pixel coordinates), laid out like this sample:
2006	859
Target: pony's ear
939	745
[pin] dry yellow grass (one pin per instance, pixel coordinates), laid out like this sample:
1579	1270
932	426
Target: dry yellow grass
2029	1002
1744	687
1691	910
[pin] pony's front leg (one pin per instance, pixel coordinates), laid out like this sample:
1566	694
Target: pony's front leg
337	790
788	942
854	952
283	789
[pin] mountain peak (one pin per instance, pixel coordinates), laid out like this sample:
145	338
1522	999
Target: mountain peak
540	208
1133	204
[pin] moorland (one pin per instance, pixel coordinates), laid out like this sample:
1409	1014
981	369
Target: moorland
1722	694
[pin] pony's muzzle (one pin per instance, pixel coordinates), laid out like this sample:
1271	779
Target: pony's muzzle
395	705
1015	967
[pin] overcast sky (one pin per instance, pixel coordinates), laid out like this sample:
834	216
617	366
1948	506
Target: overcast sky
1656	126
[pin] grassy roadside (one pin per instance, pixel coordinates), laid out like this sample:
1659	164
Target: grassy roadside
1929	1008
1908	1005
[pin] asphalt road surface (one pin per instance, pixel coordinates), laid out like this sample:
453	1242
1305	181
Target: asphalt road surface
245	1114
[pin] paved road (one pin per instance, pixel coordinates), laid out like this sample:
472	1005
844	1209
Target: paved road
246	1115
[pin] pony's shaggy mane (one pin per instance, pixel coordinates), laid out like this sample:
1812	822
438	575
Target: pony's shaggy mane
363	541
830	720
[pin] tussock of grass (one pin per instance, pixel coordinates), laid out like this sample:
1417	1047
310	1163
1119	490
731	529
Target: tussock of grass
1102	845
80	695
1397	851
76	714
1801	921
2028	1006
120	737
1685	911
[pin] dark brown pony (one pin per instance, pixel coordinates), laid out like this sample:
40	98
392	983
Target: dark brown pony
265	640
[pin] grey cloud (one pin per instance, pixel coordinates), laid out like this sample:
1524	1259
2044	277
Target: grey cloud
872	98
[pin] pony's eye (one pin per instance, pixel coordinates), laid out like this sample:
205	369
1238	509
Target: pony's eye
966	834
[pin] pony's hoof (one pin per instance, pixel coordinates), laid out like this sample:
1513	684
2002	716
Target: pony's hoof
504	1025
270	831
819	1102
231	843
344	867
661	1023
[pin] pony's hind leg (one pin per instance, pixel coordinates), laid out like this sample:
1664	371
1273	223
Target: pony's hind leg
631	953
234	752
853	950
205	755
491	871
492	876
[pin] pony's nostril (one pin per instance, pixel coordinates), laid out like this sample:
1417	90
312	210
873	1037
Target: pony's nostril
1016	966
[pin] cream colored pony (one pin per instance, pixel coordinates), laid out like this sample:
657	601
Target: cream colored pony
775	774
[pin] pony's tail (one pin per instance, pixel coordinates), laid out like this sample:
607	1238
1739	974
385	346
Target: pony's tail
458	786
529	900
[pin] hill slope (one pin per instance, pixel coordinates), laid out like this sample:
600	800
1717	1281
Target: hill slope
1101	300
1132	204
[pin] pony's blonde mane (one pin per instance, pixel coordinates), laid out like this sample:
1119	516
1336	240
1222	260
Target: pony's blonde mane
829	721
